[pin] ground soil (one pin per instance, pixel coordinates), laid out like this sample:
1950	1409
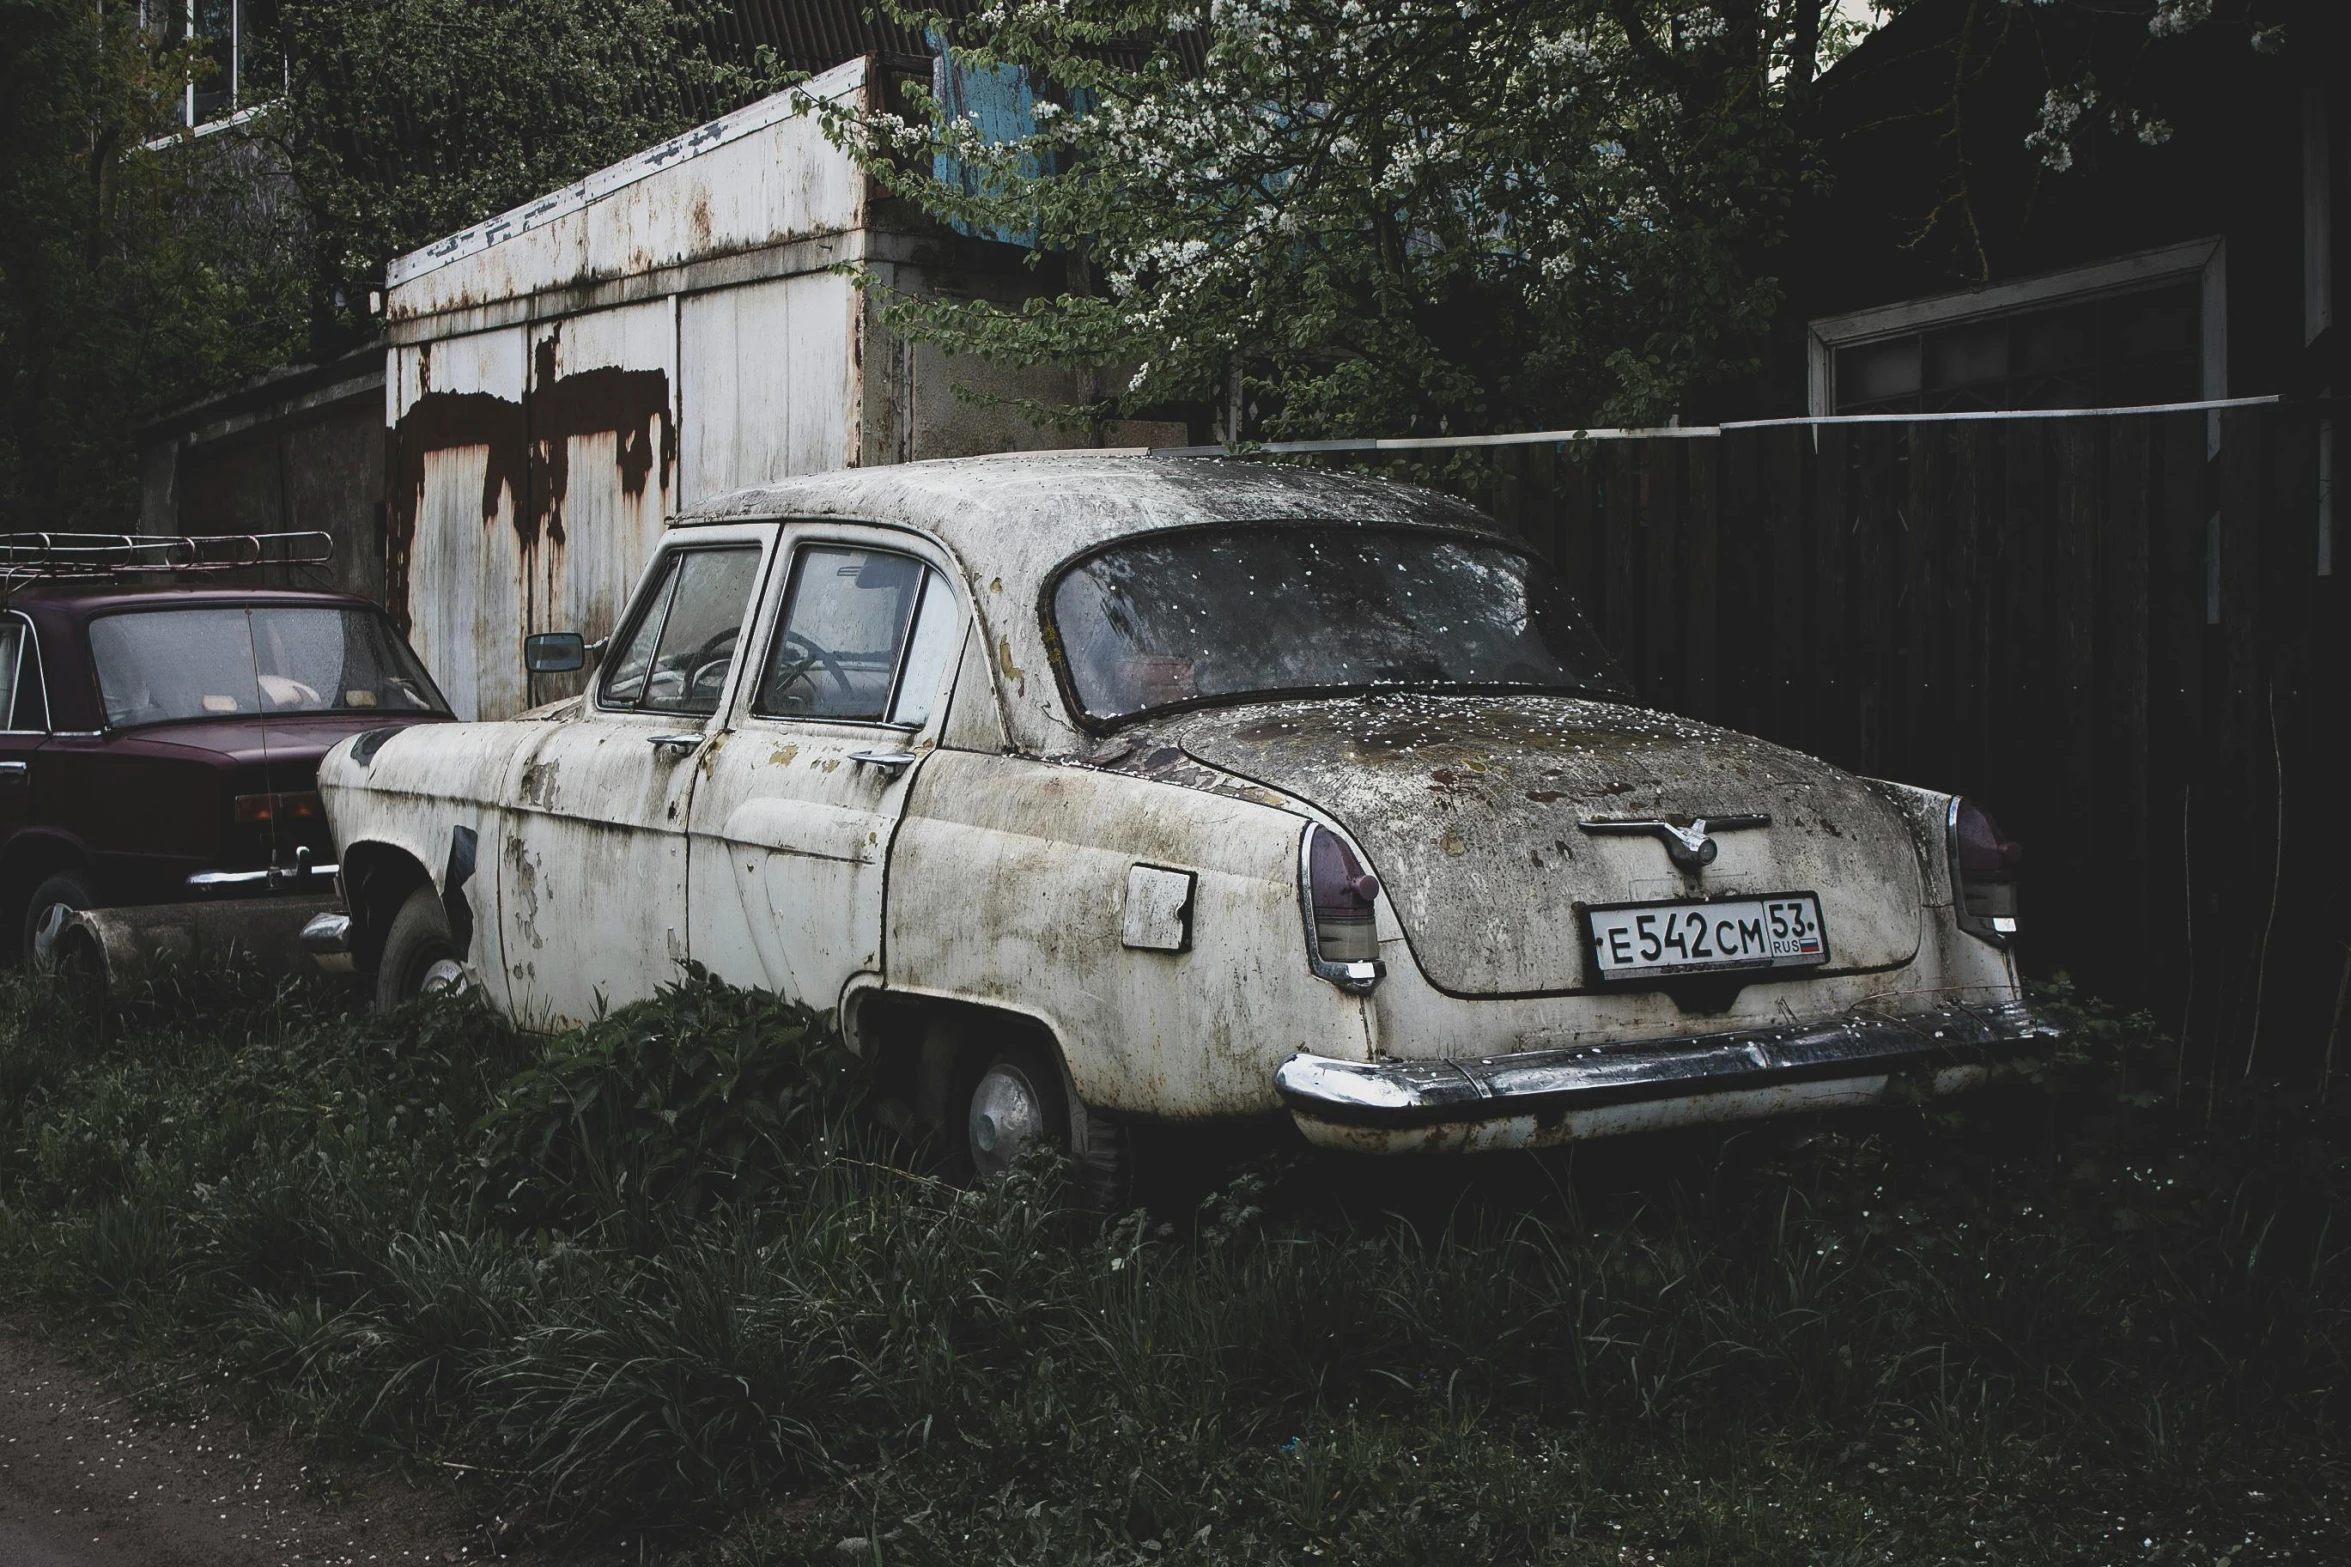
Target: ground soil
89	1479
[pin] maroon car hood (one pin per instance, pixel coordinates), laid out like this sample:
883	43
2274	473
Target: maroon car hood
305	737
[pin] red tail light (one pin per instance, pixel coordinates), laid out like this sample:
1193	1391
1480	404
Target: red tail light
1342	893
302	806
1983	873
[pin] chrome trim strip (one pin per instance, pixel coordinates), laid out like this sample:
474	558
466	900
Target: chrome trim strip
32	637
1427	1093
205	881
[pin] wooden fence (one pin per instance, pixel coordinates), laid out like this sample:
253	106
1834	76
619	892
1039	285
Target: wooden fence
2111	631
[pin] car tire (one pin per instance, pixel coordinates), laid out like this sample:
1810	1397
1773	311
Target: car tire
65	893
1010	1100
420	957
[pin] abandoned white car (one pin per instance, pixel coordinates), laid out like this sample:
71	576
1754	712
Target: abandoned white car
1099	788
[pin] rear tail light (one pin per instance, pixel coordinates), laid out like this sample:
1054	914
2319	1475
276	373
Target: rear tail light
301	806
1339	896
1983	874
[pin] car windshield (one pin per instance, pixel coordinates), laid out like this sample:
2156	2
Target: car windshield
1285	608
158	665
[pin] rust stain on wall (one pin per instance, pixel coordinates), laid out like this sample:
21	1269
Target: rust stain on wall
528	446
591	402
441	422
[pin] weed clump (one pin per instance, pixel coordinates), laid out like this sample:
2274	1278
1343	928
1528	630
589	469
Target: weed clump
710	1096
682	1268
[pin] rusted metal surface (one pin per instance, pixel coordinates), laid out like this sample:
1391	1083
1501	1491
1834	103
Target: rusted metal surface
766	378
1137	894
456	457
793	820
124	948
762	173
489	537
1037	857
669	329
1532	1097
1470	807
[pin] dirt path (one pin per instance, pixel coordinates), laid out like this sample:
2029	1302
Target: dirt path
87	1481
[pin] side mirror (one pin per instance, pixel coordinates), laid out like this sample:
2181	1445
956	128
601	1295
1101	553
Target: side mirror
554	652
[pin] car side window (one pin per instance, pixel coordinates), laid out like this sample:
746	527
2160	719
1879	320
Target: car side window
678	649
23	705
865	637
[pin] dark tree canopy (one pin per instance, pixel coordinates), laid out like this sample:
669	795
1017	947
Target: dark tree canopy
1418	216
131	279
409	119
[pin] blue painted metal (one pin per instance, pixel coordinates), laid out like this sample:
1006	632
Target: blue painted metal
1001	101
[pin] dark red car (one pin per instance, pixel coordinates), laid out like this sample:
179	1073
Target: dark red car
161	744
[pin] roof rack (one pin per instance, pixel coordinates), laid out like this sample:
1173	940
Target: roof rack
28	557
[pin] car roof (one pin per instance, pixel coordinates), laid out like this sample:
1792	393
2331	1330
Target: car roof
98	597
1029	510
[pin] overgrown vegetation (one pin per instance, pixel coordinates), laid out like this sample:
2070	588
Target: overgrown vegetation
1317	218
141	269
131	278
405	120
676	1270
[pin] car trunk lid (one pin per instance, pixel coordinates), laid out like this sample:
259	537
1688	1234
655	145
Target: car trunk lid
1471	811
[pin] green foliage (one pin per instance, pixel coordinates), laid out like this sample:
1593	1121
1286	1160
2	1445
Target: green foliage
131	280
410	119
714	1095
134	279
1415	218
1998	1335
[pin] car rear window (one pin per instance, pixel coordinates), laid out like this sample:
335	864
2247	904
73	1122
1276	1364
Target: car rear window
157	666
1272	609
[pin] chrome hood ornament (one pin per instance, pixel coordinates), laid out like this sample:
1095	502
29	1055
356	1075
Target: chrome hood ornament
1691	848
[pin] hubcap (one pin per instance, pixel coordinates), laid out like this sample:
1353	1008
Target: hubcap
1007	1118
45	935
442	974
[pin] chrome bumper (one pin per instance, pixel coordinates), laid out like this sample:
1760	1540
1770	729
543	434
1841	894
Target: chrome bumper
1536	1097
327	938
300	878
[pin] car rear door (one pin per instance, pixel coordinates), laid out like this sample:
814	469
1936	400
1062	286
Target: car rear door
24	721
793	815
592	868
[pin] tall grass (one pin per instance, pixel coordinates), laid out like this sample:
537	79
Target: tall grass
684	1269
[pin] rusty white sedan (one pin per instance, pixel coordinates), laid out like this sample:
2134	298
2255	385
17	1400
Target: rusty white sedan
1096	789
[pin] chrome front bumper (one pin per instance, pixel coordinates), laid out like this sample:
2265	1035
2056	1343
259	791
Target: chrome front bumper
1537	1097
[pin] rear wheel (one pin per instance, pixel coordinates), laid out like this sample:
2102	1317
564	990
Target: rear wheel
65	893
420	956
1012	1100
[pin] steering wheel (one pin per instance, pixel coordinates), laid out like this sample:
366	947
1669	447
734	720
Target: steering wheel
783	676
710	662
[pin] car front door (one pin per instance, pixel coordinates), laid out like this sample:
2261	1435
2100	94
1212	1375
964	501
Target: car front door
592	868
793	815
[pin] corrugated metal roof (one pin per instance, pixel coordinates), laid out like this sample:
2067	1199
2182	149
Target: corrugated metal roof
816	35
806	35
812	35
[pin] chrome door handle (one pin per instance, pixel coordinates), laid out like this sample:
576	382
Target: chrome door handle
15	771
891	761
675	745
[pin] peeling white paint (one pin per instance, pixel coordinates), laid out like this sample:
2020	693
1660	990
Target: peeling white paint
1137	894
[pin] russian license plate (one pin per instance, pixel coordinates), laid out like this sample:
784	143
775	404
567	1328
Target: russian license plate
1647	940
